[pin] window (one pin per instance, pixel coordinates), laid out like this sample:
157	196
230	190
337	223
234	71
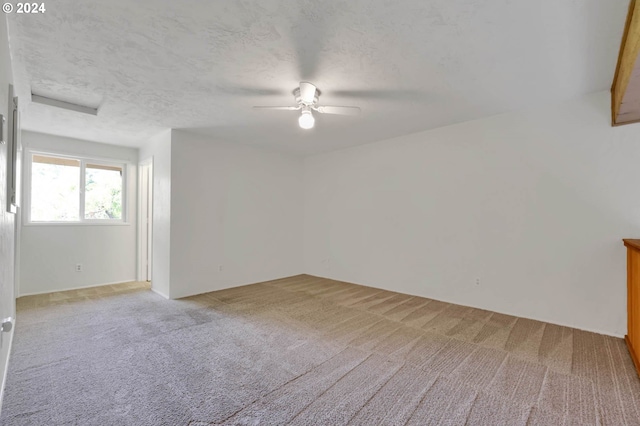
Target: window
103	192
67	190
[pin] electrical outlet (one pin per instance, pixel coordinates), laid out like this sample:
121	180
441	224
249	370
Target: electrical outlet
219	268
477	281
78	267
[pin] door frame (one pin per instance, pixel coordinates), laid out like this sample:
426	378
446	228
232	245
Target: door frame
145	233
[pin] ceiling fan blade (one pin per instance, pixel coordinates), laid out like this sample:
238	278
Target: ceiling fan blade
281	108
342	110
402	95
307	92
234	90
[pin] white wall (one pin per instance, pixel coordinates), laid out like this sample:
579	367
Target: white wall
49	253
158	149
533	204
7	228
236	207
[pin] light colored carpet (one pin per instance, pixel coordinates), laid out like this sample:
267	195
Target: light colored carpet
306	351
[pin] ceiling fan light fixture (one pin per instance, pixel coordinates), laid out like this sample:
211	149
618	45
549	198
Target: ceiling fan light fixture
306	98
306	120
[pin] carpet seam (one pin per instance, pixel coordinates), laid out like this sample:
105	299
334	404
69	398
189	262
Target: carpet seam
293	379
376	393
421	400
327	389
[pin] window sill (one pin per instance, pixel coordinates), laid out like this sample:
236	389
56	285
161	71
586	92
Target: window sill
36	224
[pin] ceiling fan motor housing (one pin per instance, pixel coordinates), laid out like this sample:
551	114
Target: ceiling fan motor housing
306	97
300	101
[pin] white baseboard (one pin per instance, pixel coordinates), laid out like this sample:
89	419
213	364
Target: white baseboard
76	288
501	311
159	293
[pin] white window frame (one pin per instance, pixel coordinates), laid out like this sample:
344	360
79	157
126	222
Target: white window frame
28	157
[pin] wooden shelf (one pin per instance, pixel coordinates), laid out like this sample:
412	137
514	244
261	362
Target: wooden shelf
635	244
633	300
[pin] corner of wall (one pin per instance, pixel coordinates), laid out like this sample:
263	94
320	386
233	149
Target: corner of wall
158	147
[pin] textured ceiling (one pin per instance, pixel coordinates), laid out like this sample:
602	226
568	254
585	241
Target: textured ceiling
410	65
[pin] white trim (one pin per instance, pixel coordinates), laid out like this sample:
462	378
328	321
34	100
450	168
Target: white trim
74	155
6	366
85	223
159	293
79	288
81	190
28	154
141	261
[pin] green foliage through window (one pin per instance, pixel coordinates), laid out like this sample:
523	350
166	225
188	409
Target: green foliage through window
56	195
103	192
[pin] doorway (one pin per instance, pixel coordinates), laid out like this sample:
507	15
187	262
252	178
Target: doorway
145	220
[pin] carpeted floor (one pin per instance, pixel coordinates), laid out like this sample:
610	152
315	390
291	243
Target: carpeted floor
305	351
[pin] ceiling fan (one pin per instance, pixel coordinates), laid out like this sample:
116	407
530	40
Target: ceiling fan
306	97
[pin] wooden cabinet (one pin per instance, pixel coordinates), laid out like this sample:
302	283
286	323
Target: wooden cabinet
633	300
